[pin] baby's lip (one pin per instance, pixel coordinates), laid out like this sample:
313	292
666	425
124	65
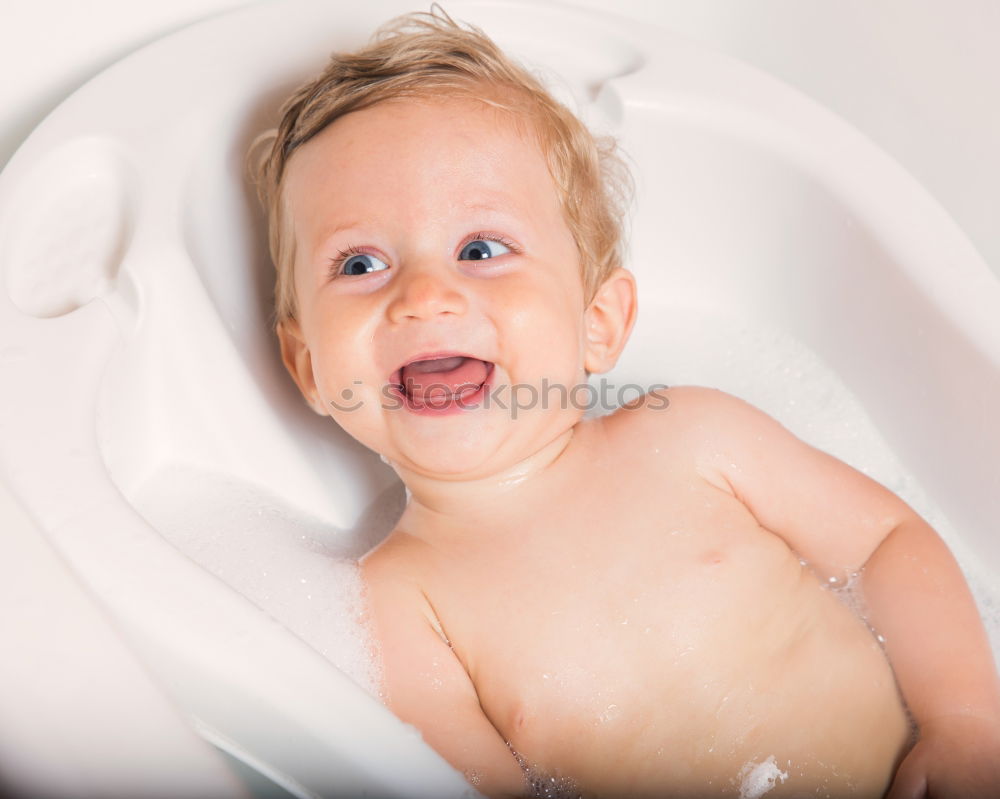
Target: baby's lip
396	377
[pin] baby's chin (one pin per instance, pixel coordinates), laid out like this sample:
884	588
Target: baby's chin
445	459
475	454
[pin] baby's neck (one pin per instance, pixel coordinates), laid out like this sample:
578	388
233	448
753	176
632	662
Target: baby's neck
438	505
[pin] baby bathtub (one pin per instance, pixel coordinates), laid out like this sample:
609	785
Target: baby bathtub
150	431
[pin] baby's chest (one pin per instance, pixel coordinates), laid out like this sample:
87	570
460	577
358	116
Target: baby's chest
588	637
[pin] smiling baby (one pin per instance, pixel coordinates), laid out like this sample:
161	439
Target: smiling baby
634	605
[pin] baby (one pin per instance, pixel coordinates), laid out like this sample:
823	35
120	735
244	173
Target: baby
634	605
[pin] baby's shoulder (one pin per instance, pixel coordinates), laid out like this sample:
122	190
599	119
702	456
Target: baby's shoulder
681	414
685	427
395	576
391	572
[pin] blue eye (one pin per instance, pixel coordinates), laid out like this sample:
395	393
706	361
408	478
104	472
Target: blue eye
361	264
481	249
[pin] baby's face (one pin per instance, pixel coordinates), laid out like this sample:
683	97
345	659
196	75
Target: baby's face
427	229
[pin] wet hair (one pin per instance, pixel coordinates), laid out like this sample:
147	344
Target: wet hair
430	56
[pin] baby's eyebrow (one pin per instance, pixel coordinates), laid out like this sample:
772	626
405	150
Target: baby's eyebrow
329	234
323	240
500	205
503	211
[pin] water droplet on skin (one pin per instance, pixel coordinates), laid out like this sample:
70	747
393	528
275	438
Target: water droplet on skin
473	777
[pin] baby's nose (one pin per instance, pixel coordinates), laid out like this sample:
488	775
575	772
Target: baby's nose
426	292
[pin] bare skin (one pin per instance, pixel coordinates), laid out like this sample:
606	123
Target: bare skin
620	601
645	636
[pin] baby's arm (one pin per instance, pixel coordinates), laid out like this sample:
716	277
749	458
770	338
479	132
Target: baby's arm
841	521
426	685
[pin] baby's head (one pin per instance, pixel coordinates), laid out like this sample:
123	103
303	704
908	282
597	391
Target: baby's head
427	197
429	56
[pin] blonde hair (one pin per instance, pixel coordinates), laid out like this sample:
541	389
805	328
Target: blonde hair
426	55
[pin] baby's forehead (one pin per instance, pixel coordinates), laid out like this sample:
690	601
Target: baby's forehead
429	138
414	162
499	108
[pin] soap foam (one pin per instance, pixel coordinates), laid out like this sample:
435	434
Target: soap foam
546	786
293	566
756	779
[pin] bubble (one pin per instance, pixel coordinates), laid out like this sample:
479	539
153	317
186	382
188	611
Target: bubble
546	786
281	559
757	779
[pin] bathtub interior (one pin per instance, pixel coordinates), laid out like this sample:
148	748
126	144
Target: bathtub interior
159	442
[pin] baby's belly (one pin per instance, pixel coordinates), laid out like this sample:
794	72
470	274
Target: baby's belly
741	683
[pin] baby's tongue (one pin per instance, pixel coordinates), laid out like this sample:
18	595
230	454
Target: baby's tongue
440	378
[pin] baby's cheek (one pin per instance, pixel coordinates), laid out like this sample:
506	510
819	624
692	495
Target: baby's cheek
358	414
554	328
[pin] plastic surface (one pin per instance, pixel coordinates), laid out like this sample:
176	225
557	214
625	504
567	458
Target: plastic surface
71	693
140	375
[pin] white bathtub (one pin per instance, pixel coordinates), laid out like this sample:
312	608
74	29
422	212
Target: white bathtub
149	429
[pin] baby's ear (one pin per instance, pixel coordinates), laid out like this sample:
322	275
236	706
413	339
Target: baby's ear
608	321
295	356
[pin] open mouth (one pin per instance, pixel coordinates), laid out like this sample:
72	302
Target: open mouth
442	381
